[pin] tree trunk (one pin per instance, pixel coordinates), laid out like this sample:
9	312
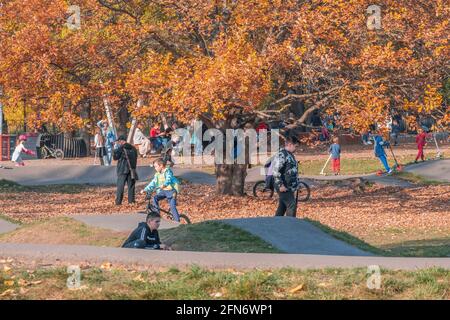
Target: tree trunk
124	117
231	179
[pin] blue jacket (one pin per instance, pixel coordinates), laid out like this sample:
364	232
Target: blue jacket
379	145
335	150
163	181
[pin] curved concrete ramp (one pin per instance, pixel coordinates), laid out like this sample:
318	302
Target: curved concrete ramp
293	235
6	226
438	170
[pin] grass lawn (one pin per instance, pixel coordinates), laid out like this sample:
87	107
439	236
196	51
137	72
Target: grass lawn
417	179
214	237
205	236
22	282
63	230
355	166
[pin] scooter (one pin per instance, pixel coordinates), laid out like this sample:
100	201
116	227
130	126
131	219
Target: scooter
439	153
322	173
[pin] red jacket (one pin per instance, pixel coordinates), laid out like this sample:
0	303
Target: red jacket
421	139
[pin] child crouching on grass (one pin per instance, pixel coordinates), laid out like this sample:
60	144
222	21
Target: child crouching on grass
335	151
17	155
166	186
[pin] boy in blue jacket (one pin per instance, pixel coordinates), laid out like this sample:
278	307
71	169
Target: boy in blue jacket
166	186
379	145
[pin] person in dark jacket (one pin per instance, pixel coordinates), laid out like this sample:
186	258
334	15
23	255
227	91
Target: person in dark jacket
146	235
395	131
126	169
285	174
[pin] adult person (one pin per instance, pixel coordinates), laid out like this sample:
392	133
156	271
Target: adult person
100	150
395	131
126	155
110	138
141	140
285	174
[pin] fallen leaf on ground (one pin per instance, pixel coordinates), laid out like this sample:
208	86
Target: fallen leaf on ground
9	291
216	295
6	268
139	278
297	288
23	283
106	266
8	283
23	291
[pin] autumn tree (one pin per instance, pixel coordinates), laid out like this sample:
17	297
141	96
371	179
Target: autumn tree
215	59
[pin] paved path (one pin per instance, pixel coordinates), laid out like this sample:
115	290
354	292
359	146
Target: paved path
290	235
78	174
119	222
438	170
74	174
6	226
56	254
293	235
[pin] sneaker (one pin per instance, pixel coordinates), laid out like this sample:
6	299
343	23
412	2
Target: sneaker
390	171
369	142
153	151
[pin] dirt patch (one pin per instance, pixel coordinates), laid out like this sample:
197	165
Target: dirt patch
64	231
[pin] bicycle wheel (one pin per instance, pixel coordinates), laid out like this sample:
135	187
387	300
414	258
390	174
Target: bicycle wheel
59	154
44	153
260	190
304	192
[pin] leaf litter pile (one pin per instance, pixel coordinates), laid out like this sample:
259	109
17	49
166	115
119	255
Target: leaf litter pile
423	209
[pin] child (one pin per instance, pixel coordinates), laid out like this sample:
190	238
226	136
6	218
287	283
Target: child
379	145
17	155
146	235
335	150
166	186
421	140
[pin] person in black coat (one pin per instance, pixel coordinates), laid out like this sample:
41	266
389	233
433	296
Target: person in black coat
146	235
126	155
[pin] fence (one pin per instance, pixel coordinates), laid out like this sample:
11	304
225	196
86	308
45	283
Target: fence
72	147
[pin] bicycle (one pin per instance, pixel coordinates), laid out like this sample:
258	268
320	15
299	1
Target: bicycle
150	208
264	191
48	152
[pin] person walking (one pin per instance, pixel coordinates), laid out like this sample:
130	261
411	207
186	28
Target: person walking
100	150
285	174
335	151
126	155
421	141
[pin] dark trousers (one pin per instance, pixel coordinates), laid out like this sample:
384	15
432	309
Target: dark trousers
287	204
121	179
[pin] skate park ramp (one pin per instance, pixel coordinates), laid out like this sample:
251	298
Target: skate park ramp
438	170
293	235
